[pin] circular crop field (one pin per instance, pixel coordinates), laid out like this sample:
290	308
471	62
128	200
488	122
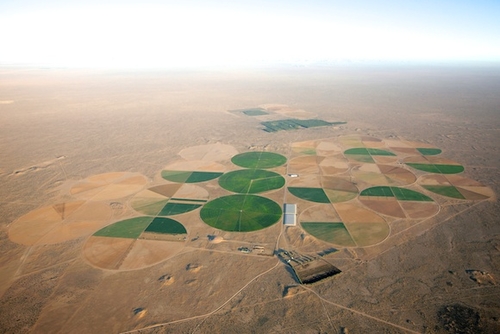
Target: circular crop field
456	186
107	186
398	202
135	243
344	224
370	155
251	181
169	199
241	213
433	164
258	160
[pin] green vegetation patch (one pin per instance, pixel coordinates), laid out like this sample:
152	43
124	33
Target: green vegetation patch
241	213
258	160
129	228
175	175
450	169
404	194
177	208
188	176
335	233
255	112
251	181
151	209
380	191
202	176
367	151
424	167
166	226
293	124
438	169
362	158
310	194
448	191
401	194
429	151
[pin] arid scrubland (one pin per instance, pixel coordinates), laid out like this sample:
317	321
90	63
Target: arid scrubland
80	149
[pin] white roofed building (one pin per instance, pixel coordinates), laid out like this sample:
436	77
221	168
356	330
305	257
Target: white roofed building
290	217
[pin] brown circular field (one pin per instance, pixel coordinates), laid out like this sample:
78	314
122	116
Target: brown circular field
344	224
135	243
167	199
59	223
327	148
196	165
304	147
313	164
410	147
456	186
209	152
379	174
128	254
361	141
109	186
401	209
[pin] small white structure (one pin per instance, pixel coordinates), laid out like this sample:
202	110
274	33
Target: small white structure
290	218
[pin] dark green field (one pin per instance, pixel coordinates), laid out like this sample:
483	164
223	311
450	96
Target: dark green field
188	176
258	160
437	169
401	194
241	213
449	191
293	124
177	208
251	181
429	151
367	151
310	194
129	228
377	191
166	226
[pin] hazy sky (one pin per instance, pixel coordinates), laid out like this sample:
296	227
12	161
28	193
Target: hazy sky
199	33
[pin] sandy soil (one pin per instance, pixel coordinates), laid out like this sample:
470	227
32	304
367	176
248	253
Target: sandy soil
64	126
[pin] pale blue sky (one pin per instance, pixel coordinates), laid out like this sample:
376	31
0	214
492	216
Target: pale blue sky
239	33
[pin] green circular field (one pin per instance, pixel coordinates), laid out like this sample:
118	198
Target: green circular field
134	227
241	213
188	176
251	181
258	160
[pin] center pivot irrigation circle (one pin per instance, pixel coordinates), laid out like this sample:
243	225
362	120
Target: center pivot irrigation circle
241	213
258	160
251	181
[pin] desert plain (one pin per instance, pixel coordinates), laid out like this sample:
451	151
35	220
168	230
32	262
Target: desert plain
95	163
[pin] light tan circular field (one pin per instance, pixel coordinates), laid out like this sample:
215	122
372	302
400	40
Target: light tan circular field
59	223
383	175
196	165
128	253
327	148
353	141
456	186
109	186
209	152
344	224
313	164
